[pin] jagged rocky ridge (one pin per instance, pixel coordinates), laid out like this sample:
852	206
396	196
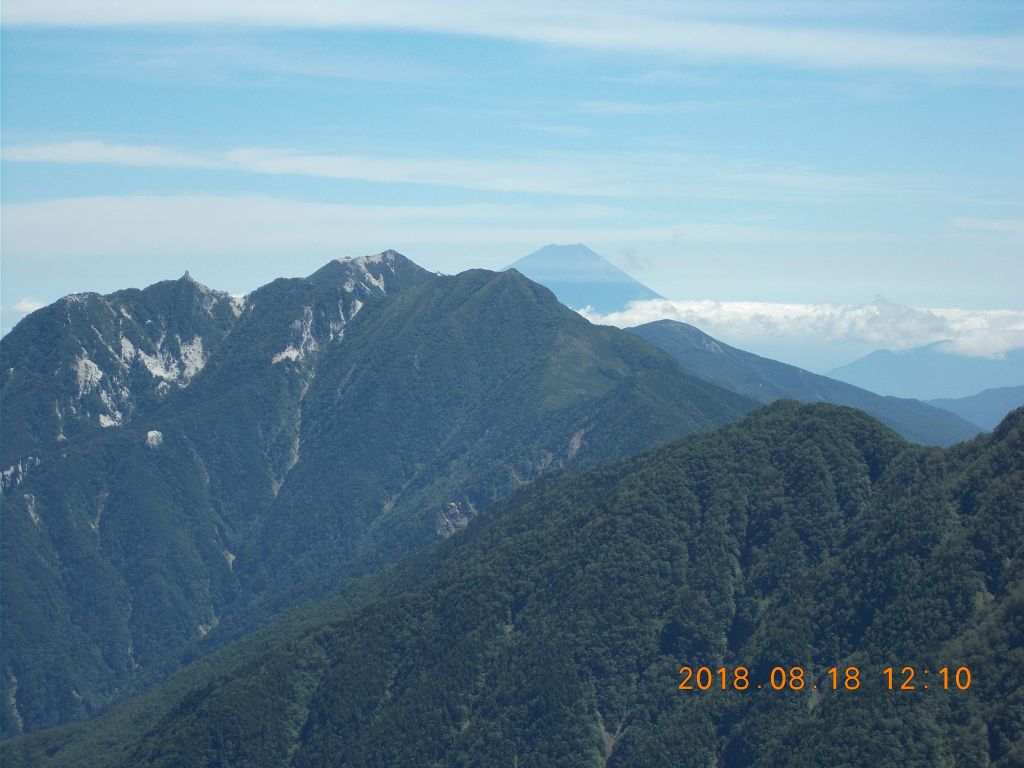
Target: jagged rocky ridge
217	460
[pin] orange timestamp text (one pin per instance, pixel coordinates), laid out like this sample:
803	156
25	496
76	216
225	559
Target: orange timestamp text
905	678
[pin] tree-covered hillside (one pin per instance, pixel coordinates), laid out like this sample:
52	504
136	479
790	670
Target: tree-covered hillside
89	362
767	380
340	421
553	630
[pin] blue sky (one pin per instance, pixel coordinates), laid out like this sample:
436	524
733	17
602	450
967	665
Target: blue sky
778	152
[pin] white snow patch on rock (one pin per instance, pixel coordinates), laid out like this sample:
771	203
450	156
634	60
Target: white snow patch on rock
361	263
302	328
154	438
87	374
192	357
12	703
113	416
575	443
14	474
204	629
237	304
338	326
164	365
377	282
30	505
127	350
60	422
288	353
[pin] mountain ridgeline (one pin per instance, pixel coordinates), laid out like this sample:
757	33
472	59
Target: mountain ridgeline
181	465
987	408
932	372
552	630
768	380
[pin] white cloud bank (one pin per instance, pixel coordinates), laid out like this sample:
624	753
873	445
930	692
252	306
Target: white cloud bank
976	333
26	305
694	30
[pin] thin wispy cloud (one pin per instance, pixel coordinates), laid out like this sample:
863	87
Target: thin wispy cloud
97	226
248	60
572	131
101	152
698	31
540	176
1011	228
980	333
612	108
155	225
569	173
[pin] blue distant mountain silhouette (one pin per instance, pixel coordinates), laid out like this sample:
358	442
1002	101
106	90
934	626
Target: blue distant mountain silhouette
579	277
930	372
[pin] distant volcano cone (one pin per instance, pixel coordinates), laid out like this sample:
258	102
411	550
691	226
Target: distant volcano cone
581	278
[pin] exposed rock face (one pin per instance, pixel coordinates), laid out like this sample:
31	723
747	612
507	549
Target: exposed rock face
181	454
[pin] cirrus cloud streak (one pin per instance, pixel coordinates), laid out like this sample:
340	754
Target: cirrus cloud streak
525	175
696	31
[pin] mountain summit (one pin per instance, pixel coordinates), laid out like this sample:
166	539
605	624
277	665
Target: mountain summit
180	465
579	277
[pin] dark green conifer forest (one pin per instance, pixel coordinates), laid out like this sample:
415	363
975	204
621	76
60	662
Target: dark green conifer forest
551	631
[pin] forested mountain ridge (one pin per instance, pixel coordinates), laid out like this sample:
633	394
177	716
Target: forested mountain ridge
767	380
90	362
455	393
552	630
340	421
120	542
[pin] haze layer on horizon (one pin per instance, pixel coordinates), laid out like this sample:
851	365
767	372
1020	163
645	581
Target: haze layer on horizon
780	152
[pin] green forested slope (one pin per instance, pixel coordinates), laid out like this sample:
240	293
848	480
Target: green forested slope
341	421
118	546
551	631
89	360
768	380
454	394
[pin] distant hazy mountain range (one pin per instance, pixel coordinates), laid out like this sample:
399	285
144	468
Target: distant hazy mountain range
929	372
986	409
767	380
581	278
179	464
